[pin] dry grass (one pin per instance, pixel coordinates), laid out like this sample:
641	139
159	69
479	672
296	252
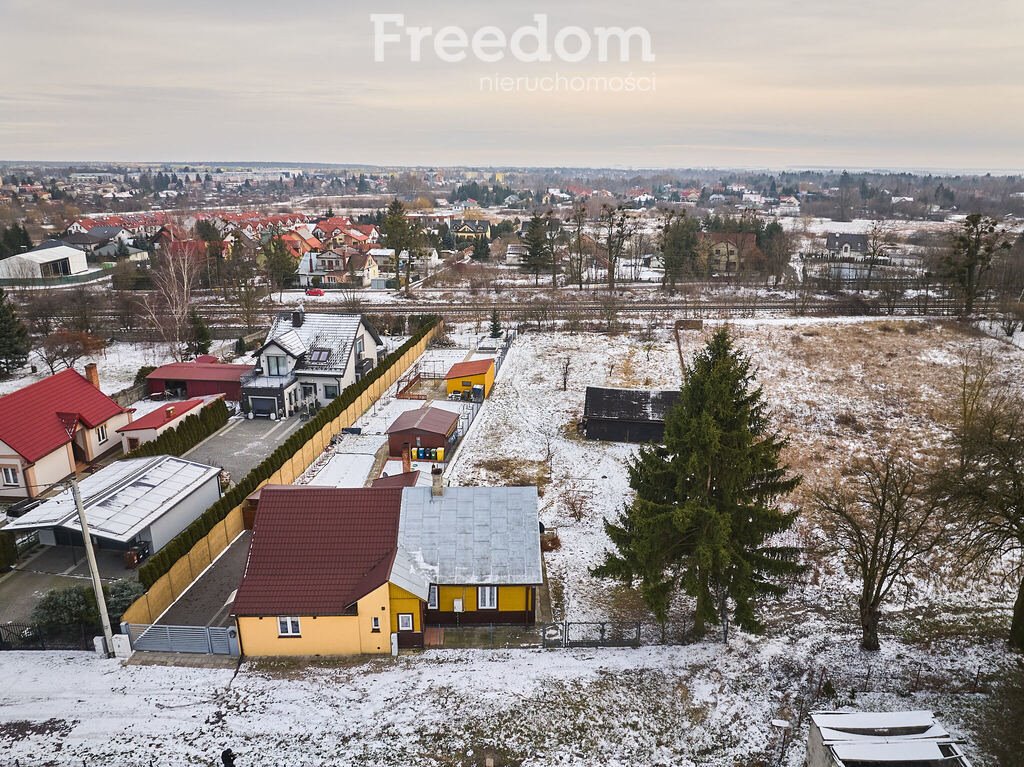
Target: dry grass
517	472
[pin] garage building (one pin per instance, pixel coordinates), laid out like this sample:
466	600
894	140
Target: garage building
428	427
199	379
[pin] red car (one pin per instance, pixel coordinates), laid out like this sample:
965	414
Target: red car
314	291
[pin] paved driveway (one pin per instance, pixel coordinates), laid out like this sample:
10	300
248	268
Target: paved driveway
241	445
206	601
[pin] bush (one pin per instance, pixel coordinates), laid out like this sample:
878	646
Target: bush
144	371
8	550
120	595
64	609
240	347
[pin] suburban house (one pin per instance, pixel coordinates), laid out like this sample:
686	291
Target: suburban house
843	245
35	449
463	378
299	244
880	739
732	252
341	571
136	503
427	428
338	266
469	229
198	379
48	261
325	577
308	359
154	423
626	415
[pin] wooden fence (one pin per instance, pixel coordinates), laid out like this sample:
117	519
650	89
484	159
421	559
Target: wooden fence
166	589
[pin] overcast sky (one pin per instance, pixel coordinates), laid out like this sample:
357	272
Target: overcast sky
744	83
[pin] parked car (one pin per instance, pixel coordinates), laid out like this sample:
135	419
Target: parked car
314	291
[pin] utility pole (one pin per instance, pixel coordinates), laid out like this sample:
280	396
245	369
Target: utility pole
97	584
70	423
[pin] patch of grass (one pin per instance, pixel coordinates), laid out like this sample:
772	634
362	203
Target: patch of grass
518	472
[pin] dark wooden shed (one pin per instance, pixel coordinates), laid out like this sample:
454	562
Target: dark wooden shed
428	427
627	415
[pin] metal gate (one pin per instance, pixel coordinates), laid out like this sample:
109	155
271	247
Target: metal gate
206	640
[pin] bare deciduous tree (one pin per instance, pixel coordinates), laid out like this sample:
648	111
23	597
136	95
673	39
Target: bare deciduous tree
883	522
67	347
175	276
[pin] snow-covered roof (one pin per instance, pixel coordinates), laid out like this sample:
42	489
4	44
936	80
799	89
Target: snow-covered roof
410	574
45	255
473	535
124	498
333	333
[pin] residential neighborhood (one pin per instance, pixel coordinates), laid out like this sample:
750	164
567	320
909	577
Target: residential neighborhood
464	385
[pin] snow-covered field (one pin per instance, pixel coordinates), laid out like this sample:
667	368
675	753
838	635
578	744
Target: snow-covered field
837	387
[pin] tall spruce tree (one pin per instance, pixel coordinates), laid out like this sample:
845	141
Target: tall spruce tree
14	342
538	251
706	501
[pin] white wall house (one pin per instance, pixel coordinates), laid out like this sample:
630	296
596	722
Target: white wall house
131	502
55	261
308	359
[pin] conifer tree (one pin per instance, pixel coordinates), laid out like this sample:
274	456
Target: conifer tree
199	335
14	343
495	324
706	501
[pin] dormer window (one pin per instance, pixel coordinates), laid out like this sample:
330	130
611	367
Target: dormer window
276	366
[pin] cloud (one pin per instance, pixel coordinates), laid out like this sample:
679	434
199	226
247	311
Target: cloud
737	81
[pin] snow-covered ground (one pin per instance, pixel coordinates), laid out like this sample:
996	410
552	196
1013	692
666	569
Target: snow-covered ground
706	705
836	387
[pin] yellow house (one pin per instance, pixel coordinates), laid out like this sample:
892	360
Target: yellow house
325	576
346	571
463	376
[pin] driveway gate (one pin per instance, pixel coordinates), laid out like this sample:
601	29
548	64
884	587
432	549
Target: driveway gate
207	640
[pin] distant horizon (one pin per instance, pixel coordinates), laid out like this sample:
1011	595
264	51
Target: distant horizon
933	171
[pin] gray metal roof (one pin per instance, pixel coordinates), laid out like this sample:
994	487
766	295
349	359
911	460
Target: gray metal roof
335	333
124	498
473	535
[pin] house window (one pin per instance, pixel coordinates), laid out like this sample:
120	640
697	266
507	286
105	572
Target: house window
467	384
359	346
432	598
405	621
276	365
375	624
101	433
487	598
319	356
10	476
288	627
330	391
308	391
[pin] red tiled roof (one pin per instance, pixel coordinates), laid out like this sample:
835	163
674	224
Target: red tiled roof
408	479
469	368
199	371
157	418
29	420
318	550
432	419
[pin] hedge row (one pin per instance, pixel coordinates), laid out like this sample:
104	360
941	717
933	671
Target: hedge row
187	434
8	550
163	560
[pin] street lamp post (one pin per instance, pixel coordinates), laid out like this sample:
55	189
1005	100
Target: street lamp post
90	555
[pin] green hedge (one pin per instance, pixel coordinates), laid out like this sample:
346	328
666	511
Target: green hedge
187	434
161	562
8	550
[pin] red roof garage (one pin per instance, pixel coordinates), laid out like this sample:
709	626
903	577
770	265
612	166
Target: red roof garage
428	427
199	379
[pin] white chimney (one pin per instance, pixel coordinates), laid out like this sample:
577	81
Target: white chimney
437	488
